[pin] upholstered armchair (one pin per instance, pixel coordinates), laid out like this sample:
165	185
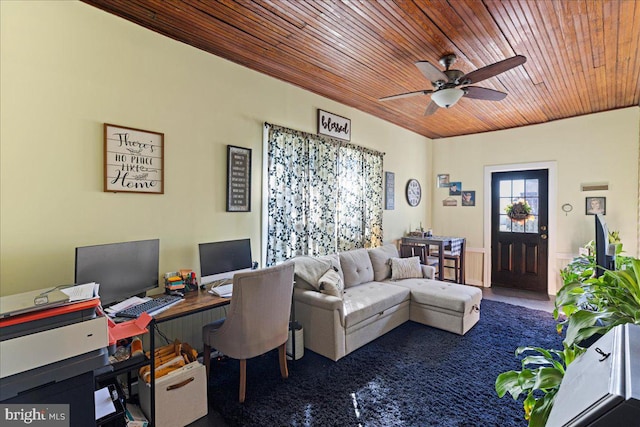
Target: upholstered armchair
257	320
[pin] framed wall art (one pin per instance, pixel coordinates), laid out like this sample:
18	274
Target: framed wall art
443	180
389	190
595	205
468	198
133	160
238	179
455	188
335	126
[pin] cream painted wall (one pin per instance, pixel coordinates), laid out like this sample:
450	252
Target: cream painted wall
66	68
588	149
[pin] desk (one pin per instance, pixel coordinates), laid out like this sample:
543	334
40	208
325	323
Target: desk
456	243
194	302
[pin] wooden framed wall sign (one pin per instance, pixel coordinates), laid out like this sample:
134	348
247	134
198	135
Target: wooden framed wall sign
238	179
133	160
335	126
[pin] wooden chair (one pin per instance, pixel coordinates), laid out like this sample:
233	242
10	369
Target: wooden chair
457	258
258	319
408	250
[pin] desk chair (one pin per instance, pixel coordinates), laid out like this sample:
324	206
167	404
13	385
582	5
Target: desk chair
456	256
257	320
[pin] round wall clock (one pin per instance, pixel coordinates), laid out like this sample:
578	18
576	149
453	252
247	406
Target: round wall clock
414	192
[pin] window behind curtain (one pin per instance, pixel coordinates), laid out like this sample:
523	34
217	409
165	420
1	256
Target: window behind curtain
322	195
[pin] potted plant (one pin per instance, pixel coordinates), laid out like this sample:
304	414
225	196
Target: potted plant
595	305
539	380
588	307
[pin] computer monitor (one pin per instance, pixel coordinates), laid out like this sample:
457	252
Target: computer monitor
221	260
604	251
122	269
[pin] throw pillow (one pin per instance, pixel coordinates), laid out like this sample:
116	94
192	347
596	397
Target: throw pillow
331	283
405	268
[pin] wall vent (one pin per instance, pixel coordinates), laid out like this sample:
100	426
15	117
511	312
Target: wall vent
602	186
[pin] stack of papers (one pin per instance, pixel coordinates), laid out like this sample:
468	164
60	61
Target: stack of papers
81	292
223	291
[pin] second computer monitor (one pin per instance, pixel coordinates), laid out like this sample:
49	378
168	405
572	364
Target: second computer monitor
221	260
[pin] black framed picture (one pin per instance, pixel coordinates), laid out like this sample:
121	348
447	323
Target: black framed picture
389	190
468	198
238	179
455	188
595	205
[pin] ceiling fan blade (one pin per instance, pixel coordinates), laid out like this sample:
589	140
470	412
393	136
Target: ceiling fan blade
406	95
431	72
431	109
492	70
476	92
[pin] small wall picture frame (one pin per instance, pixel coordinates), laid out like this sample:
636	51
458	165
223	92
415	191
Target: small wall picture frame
468	198
238	179
443	180
389	191
449	201
455	188
133	160
595	205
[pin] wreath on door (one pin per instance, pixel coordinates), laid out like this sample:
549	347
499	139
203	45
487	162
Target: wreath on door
519	211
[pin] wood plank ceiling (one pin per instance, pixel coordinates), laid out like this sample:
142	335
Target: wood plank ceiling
582	54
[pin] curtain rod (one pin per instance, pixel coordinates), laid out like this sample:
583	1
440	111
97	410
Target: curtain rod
325	138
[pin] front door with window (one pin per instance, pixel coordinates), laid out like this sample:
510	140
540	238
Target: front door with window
519	247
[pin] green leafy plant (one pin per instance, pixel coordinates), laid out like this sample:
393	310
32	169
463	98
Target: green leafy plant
539	380
595	305
519	210
586	306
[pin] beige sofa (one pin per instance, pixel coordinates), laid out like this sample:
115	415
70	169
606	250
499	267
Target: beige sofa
367	301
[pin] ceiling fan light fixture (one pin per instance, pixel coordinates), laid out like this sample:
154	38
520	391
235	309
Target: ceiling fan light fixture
445	98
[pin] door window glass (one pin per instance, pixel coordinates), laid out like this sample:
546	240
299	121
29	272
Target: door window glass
512	191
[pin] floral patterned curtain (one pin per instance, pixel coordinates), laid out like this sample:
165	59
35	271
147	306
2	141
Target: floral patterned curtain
323	196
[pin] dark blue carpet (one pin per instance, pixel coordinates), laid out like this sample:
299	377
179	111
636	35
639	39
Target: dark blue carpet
414	375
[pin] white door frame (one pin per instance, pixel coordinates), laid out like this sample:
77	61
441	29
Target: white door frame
552	168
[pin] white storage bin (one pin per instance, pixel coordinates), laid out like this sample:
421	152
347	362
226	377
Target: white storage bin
181	396
299	338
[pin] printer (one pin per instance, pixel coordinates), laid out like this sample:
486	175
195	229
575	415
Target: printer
49	355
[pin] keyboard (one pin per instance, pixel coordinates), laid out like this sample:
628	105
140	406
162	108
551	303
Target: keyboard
149	306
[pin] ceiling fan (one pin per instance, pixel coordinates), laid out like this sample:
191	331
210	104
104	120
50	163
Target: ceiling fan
451	85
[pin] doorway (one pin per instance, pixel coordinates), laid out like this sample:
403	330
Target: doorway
529	258
519	246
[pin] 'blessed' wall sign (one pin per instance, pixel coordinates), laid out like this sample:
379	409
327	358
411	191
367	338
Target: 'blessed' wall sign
334	126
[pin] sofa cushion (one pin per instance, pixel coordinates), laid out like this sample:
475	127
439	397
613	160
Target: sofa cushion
444	295
356	267
405	268
334	260
380	257
331	283
370	299
308	270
